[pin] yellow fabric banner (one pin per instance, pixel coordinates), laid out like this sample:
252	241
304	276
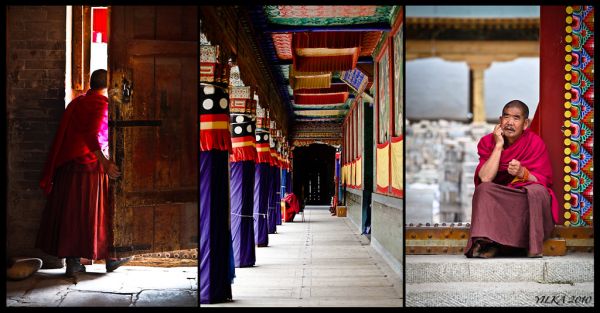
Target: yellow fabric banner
397	159
352	168
383	173
358	172
311	82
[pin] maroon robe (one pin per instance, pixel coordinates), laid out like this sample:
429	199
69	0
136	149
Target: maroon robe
509	212
76	219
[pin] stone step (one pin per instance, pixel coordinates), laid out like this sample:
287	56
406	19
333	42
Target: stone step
572	268
500	294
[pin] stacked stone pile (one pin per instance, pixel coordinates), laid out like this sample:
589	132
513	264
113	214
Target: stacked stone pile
444	153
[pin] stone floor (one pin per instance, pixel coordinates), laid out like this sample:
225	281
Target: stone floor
323	261
454	280
128	286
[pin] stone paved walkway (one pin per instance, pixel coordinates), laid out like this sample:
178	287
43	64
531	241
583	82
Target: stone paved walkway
128	286
323	261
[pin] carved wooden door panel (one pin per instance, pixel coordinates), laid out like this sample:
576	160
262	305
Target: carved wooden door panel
153	132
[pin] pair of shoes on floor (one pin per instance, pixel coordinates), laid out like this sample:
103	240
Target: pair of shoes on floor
113	264
476	251
484	249
490	251
74	266
23	268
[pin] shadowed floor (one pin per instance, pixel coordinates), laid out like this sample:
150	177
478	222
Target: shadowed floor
128	286
323	261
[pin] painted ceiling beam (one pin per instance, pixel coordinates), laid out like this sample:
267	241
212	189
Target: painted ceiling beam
274	28
334	81
361	60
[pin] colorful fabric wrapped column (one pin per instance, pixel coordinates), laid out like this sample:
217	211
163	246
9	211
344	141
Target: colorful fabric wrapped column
243	162
216	270
261	179
273	204
278	194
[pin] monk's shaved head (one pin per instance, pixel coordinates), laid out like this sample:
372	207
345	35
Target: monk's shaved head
517	104
98	79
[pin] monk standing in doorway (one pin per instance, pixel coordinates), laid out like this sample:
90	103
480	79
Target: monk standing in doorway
76	220
513	203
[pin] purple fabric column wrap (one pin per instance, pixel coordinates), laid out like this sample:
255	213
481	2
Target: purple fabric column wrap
215	235
278	195
272	213
261	203
242	207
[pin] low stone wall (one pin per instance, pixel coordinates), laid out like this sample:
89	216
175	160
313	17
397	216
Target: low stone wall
387	220
354	207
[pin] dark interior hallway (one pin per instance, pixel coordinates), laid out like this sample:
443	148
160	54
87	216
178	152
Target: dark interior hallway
313	177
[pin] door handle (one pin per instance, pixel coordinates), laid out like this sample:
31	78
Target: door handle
126	90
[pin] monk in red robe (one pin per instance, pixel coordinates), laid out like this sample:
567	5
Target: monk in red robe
514	207
292	206
76	220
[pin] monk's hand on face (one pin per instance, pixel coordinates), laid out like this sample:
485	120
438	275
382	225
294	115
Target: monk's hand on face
498	132
515	168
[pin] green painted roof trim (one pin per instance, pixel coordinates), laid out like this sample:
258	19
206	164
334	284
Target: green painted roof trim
382	14
394	15
285	70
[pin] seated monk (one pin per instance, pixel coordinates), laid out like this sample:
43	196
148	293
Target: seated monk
292	206
514	207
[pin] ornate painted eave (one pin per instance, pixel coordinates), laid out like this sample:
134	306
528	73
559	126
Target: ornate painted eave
348	16
276	28
426	28
317	130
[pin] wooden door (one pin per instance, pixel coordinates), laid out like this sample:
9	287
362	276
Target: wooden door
153	133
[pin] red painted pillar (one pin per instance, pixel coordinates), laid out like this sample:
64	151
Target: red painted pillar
564	118
549	116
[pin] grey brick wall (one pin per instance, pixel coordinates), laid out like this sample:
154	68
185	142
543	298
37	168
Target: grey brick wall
35	47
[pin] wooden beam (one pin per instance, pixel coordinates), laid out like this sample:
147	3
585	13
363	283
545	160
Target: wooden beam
552	247
463	50
452	239
472	28
81	45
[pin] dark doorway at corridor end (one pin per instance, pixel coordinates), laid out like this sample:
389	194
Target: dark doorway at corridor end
313	173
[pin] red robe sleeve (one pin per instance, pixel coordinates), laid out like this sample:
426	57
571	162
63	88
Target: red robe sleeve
77	135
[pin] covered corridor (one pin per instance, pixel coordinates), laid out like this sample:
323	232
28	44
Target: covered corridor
323	261
301	102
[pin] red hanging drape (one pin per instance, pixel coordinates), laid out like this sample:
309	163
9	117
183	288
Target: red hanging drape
326	98
332	40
